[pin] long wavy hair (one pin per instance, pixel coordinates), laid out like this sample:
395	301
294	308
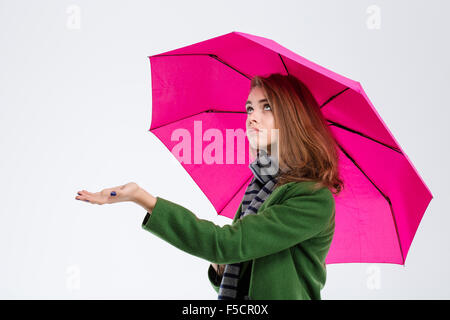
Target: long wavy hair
307	147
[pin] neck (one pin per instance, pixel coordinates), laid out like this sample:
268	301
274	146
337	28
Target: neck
267	151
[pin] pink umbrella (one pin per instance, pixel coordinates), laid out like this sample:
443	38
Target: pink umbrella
199	92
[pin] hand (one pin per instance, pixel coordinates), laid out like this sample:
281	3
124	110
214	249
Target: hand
219	268
126	192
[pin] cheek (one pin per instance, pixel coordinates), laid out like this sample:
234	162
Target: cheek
269	122
270	125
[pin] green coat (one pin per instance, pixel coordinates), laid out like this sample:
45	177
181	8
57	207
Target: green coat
288	240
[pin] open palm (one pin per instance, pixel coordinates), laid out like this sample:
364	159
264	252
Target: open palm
109	195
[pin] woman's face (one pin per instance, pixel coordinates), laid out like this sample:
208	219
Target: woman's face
260	121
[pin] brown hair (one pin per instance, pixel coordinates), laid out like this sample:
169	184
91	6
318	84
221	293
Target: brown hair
307	146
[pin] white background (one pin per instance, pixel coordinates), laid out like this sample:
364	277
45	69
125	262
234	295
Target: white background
75	109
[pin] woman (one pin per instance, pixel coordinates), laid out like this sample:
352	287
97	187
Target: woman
276	246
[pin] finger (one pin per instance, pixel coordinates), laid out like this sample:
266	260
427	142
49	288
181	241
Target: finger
82	198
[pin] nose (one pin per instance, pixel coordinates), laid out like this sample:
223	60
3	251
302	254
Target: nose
253	123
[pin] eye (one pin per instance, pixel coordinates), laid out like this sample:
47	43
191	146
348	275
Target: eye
249	108
267	105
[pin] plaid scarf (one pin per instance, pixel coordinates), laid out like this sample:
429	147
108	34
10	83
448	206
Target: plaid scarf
260	187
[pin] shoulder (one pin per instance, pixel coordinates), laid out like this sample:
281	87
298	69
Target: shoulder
299	195
305	190
292	189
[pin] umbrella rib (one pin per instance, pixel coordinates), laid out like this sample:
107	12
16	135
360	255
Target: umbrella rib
332	97
224	111
220	60
178	120
246	181
283	64
363	135
352	130
384	196
202	54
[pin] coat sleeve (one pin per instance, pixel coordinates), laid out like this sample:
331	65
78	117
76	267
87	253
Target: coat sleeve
273	229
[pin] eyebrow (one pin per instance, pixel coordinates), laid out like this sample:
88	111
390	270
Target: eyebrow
260	101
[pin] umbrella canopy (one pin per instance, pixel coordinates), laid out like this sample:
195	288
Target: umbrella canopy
198	101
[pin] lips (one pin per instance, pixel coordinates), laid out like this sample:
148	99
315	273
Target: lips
253	131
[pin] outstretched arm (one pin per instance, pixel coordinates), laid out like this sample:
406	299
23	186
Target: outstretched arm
276	227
